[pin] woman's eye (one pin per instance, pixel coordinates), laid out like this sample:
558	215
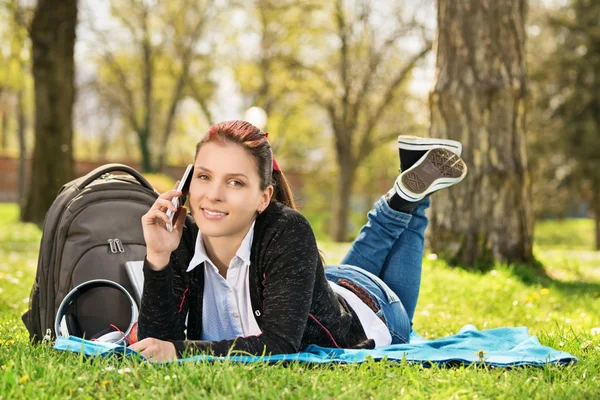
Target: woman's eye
236	183
203	177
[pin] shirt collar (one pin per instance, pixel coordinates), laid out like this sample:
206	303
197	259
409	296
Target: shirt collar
243	252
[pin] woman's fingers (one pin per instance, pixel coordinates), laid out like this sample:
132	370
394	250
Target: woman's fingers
164	202
141	345
155	349
153	215
170	195
163	205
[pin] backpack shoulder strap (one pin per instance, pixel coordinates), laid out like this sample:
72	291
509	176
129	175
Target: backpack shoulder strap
85	180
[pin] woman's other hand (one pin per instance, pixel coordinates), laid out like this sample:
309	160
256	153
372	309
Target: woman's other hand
160	243
155	350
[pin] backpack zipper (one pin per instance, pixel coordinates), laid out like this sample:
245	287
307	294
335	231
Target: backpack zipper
74	264
116	246
120	246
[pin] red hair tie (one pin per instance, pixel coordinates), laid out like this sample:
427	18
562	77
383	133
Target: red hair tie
275	166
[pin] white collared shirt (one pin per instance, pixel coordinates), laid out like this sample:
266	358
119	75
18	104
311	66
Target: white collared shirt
374	327
226	309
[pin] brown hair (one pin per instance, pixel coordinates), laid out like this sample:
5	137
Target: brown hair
255	142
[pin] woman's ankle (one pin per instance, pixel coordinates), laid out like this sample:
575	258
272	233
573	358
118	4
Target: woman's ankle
400	204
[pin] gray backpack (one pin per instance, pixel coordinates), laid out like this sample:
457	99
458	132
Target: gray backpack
92	228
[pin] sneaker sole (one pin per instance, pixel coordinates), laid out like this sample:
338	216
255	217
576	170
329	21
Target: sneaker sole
438	169
425	144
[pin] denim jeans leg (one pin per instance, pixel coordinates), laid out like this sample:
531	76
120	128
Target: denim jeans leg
402	268
377	237
390	307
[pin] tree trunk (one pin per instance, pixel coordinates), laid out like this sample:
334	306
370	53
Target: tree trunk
479	99
148	84
3	131
177	94
597	223
341	201
53	44
147	164
22	148
596	210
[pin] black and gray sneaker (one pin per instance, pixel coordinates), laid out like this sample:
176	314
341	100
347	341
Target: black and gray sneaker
412	148
437	169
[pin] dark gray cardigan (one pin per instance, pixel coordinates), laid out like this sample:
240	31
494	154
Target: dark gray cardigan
293	304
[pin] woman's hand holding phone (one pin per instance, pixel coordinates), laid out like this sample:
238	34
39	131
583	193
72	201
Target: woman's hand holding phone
160	243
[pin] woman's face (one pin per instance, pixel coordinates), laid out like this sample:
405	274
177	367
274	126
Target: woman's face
225	191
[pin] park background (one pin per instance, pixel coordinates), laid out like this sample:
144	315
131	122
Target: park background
138	81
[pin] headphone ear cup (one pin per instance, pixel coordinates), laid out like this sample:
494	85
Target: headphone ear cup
72	325
111	337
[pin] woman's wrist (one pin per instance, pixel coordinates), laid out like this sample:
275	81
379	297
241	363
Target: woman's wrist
158	262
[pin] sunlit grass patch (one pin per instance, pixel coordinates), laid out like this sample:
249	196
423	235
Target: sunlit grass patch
565	234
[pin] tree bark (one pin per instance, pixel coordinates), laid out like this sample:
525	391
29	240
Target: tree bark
53	45
144	140
177	94
3	131
21	126
596	210
148	85
341	201
479	99
597	223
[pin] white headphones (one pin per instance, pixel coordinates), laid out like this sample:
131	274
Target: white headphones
66	323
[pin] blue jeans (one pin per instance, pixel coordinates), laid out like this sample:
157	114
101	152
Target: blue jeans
385	259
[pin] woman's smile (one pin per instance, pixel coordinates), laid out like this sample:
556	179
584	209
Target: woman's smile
213	215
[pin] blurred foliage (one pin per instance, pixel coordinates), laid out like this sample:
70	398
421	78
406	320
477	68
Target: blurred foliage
283	33
161	58
548	164
15	74
285	56
161	182
375	177
576	99
564	124
564	130
360	85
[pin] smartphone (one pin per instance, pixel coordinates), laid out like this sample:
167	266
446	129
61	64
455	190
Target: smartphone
184	188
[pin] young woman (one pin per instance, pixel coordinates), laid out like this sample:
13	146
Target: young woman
244	273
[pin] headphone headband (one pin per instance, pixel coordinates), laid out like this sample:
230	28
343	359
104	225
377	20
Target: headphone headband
82	288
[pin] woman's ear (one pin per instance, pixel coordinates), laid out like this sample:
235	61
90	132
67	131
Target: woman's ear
267	194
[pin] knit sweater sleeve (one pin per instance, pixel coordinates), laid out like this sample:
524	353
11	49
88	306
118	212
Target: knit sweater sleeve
291	258
162	312
160	316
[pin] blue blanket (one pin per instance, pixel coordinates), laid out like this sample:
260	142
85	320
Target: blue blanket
501	347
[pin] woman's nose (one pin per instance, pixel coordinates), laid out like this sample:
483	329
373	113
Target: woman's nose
214	191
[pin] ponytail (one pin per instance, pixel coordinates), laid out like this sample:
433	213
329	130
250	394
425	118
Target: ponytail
282	191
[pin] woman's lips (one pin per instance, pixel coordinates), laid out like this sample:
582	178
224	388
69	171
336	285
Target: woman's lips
213	215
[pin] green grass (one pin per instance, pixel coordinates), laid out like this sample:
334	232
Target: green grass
561	311
565	234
